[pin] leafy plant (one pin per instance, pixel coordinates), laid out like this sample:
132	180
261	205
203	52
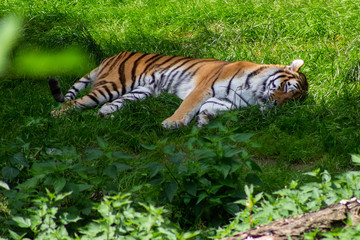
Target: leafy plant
206	178
117	218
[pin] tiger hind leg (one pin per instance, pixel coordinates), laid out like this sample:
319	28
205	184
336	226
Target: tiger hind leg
211	108
91	100
80	85
138	93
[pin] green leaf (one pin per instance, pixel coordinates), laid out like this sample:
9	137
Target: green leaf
67	218
101	142
148	147
31	183
170	190
36	62
249	190
230	152
252	178
16	236
224	169
18	158
231	208
216	124
258	196
205	182
62	196
242	137
189	235
59	184
252	165
177	158
154	168
110	171
43	168
355	158
9	172
76	188
204	153
169	149
22	222
10	27
156	180
35	221
201	197
120	167
93	153
121	155
191	188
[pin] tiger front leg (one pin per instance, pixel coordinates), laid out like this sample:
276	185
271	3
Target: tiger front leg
211	108
137	94
187	109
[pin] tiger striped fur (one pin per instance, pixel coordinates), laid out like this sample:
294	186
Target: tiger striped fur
206	86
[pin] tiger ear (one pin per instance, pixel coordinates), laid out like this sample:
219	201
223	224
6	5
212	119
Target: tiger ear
295	65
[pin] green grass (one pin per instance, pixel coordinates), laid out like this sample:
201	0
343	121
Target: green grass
320	132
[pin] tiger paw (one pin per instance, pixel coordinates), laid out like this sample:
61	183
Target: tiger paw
55	113
60	112
201	120
106	109
172	124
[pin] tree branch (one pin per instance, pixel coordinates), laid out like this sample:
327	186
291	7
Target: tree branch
333	216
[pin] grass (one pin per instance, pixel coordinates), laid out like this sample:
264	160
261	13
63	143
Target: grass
320	132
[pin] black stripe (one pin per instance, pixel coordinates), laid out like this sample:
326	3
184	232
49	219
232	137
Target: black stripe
155	56
154	59
84	82
218	72
115	88
191	66
253	74
83	105
175	62
227	100
107	61
94	99
74	88
113	63
133	71
101	92
121	72
168	60
144	93
108	92
71	93
182	64
102	82
242	99
153	78
265	82
221	104
232	78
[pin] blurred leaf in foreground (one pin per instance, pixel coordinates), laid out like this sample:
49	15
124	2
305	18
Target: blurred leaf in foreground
9	32
45	63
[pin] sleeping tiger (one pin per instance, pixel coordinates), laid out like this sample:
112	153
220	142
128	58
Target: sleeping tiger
206	86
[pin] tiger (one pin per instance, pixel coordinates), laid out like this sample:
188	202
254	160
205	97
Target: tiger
207	87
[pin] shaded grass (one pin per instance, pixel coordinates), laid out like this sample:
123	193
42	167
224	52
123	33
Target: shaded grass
319	132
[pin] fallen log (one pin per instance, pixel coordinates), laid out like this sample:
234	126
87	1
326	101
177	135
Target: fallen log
333	216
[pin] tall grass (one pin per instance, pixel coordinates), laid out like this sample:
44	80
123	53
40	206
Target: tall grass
320	132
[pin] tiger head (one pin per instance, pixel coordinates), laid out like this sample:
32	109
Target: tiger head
287	83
